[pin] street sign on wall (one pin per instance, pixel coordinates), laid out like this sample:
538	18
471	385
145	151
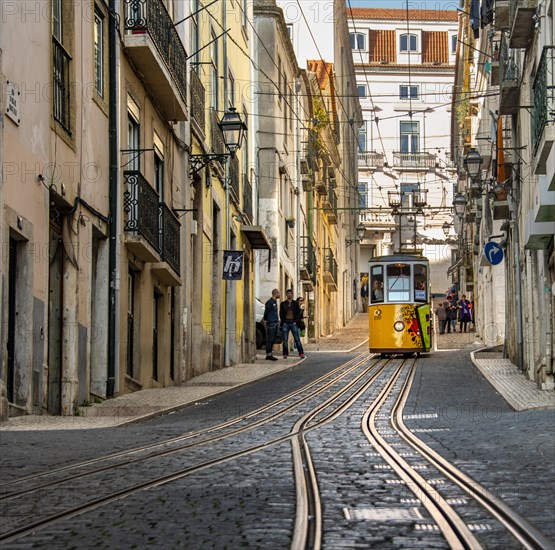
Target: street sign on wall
233	265
493	253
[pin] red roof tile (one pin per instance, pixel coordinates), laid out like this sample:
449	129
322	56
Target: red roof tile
401	14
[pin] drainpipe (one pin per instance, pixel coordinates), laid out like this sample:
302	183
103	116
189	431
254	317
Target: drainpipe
113	199
299	189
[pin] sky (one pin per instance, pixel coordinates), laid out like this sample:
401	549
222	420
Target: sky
413	4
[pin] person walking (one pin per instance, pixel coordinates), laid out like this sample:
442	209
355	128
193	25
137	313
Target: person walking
451	315
300	323
290	315
364	295
271	319
441	314
464	313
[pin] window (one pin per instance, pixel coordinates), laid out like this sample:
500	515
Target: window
420	283
361	89
398	283
230	89
358	41
408	92
290	31
195	35
376	284
454	42
214	84
57	20
362	138
409	43
410	137
407	194
133	143
99	53
363	194
61	99
159	175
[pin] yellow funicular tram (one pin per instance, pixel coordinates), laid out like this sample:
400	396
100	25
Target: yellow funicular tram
399	307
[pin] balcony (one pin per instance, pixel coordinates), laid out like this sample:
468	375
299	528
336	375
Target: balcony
168	270
370	160
307	269
523	23
419	162
330	270
321	187
247	198
157	52
330	207
234	179
502	14
510	77
378	221
543	106
216	137
142	220
501	206
537	235
198	105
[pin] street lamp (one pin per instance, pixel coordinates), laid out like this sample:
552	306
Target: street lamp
446	228
233	130
473	163
361	230
459	204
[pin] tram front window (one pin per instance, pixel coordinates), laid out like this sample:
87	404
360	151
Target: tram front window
398	283
420	283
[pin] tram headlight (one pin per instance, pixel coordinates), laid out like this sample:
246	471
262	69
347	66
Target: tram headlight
399	326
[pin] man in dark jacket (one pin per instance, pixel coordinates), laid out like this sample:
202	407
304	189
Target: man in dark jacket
290	313
272	319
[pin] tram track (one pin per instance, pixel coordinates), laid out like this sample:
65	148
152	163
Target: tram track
317	386
454	528
521	529
41	523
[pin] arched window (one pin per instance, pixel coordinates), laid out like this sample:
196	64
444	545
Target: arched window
409	43
358	41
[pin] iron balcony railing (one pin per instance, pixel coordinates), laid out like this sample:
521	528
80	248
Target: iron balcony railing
330	263
216	137
543	94
168	241
198	101
370	159
61	88
234	176
421	161
140	203
308	258
247	198
152	17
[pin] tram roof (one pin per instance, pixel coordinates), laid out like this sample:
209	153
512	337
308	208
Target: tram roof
399	258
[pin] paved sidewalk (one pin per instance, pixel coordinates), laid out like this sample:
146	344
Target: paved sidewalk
134	407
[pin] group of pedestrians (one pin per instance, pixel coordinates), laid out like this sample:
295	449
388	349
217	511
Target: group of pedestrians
452	310
289	318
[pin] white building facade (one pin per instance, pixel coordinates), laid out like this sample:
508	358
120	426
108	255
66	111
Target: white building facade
405	64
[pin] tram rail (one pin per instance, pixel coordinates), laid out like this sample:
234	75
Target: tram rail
360	362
